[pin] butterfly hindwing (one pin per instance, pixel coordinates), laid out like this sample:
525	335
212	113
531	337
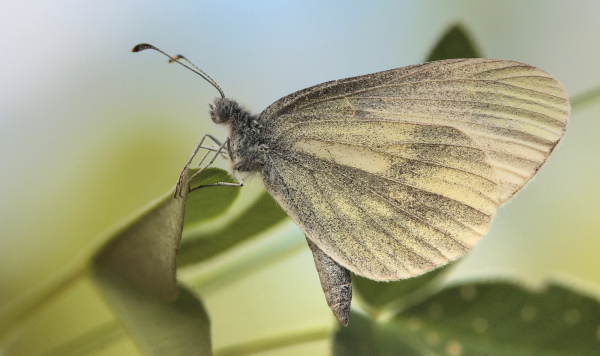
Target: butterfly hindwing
386	210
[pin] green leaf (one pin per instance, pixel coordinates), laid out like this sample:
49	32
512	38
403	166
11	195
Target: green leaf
206	203
455	43
158	327
142	250
260	216
363	336
378	294
358	338
588	97
486	319
145	249
135	269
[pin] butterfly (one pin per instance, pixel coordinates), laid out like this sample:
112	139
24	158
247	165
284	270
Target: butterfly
393	174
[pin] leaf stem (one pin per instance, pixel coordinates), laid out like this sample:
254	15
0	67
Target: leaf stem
18	311
235	267
90	342
586	98
274	342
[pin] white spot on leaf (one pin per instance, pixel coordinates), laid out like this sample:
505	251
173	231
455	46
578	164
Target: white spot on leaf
433	339
415	323
436	311
528	313
480	325
572	316
454	348
468	293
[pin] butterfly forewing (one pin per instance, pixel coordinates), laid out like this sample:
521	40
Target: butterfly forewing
395	173
517	113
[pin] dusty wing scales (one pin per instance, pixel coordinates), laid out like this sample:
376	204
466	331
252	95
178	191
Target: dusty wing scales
376	211
517	113
396	173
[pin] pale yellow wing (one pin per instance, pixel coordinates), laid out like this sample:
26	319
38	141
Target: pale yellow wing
387	200
396	173
517	113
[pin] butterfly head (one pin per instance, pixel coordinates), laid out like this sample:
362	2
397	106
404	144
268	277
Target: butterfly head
223	110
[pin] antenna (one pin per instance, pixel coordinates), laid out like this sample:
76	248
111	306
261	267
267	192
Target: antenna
143	46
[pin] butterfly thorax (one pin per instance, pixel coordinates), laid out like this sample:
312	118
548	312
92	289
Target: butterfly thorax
248	147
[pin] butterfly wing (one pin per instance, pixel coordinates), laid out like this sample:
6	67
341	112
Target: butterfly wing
396	173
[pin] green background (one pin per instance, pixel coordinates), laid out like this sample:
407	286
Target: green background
89	133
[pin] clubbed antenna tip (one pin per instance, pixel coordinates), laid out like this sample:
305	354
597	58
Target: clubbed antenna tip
143	46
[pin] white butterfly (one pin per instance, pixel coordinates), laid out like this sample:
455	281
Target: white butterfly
393	174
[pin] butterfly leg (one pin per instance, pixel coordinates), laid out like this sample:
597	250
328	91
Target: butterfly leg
237	176
236	173
194	153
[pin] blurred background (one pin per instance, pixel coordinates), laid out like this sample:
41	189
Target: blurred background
90	132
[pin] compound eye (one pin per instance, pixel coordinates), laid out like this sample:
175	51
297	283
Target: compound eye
226	106
223	110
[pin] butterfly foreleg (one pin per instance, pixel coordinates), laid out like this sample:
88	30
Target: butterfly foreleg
218	150
236	175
